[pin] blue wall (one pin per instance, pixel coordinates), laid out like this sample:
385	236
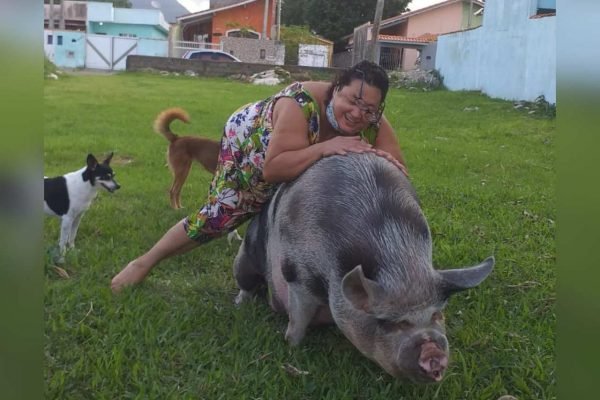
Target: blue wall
67	48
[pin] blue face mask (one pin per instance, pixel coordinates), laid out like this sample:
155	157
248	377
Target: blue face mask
331	116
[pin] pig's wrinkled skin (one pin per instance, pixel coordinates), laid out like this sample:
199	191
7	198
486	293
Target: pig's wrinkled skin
347	242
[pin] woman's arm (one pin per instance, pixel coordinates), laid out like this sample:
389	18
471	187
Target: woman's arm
386	145
290	153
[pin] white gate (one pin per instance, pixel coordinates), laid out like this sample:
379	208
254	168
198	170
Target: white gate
108	52
313	55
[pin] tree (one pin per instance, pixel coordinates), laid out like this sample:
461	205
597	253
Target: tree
292	12
334	19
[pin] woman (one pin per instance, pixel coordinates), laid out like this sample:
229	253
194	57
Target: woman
274	141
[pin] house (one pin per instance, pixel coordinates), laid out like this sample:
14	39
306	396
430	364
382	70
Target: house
404	37
98	35
511	56
244	28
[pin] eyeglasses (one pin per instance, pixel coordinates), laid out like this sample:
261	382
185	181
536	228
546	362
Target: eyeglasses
368	113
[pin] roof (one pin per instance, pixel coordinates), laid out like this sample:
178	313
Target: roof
419	41
215	6
406	15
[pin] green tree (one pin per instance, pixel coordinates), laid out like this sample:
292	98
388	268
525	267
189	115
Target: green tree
292	12
334	19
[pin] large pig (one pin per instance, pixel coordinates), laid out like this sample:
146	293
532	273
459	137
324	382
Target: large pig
347	242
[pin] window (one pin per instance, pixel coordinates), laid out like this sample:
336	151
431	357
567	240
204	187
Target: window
546	7
59	40
49	40
263	54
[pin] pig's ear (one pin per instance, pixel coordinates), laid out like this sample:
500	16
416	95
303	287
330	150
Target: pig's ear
455	280
359	290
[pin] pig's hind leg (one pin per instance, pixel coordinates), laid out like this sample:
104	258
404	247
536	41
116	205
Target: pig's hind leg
248	276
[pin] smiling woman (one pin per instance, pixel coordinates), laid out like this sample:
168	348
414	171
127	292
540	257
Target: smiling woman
275	140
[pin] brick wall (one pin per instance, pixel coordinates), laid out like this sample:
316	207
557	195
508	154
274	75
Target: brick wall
213	68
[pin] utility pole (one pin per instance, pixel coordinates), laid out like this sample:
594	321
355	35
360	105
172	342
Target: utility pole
372	52
279	20
470	13
265	19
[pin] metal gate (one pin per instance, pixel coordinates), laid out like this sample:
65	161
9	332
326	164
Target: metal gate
108	52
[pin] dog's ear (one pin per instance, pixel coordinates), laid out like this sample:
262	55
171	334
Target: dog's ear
107	161
92	163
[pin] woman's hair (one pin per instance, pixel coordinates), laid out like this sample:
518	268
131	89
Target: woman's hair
368	71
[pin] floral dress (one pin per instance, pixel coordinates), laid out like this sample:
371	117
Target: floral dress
238	190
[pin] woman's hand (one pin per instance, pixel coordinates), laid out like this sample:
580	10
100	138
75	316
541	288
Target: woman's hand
342	145
390	158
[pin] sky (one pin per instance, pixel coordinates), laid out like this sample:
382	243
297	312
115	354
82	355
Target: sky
194	5
417	4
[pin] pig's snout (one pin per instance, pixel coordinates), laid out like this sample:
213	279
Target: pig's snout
433	361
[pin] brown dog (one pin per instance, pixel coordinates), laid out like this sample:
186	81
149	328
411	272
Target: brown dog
183	150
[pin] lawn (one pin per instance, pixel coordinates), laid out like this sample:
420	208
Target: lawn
485	175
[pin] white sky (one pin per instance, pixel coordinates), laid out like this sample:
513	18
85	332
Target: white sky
195	5
416	4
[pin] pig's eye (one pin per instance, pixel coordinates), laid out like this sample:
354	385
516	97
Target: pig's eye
392	326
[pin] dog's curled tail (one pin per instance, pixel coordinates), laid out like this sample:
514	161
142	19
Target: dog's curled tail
164	119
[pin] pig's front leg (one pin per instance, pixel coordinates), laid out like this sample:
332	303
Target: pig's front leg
301	310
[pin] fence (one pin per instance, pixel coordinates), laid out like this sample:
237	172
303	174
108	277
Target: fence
181	46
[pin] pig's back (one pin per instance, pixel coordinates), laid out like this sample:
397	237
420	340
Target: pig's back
348	210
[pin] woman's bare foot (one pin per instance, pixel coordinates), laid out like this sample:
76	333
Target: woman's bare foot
133	273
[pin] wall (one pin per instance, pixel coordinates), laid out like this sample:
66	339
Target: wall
140	31
248	50
211	68
99	11
153	47
510	56
249	15
71	54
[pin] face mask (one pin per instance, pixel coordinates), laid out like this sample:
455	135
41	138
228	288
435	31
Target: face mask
331	116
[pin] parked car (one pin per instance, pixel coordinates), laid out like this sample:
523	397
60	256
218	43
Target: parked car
210	55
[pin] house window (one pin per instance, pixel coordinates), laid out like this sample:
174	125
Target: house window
546	7
59	40
49	40
263	54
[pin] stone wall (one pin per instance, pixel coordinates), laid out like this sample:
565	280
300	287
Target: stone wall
251	50
215	68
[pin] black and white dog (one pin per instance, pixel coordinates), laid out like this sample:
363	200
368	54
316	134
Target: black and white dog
70	195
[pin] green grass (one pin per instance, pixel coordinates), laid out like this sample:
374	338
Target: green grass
486	181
